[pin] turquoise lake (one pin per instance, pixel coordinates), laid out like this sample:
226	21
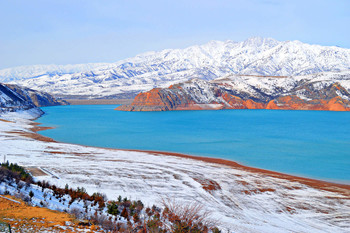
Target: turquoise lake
313	144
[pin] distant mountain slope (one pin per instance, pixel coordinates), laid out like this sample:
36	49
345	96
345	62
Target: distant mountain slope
39	99
33	71
325	91
16	98
10	99
255	56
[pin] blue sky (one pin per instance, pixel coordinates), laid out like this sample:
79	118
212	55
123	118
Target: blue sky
81	31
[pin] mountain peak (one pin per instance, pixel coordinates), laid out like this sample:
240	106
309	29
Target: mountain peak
260	41
252	42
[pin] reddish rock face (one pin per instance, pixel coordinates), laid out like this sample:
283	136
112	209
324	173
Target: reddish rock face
238	103
295	103
155	100
176	98
151	99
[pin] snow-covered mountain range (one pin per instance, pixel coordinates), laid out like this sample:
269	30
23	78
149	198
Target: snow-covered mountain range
126	78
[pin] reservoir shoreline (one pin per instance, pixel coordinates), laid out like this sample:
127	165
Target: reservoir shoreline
315	183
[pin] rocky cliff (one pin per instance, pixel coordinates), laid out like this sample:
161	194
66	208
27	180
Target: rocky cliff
16	98
325	91
39	99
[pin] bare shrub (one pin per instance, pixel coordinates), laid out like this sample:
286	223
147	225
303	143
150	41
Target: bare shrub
26	199
43	203
103	221
77	213
22	196
187	217
20	185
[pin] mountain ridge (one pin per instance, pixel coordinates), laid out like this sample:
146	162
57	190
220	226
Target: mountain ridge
330	91
254	56
15	98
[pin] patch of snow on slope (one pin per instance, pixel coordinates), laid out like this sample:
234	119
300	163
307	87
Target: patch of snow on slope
29	114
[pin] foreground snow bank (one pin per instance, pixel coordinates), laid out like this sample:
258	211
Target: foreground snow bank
240	200
20	115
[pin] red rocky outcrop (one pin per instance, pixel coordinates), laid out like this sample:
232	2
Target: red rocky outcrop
181	97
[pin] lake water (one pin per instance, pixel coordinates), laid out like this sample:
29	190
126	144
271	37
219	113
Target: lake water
314	144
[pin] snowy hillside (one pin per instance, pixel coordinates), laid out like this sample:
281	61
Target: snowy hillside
305	87
323	91
255	56
240	199
24	72
12	101
39	98
15	98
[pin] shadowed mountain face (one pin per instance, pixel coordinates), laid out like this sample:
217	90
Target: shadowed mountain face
14	98
39	99
326	91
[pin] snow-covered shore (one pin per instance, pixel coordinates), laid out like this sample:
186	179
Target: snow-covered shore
241	200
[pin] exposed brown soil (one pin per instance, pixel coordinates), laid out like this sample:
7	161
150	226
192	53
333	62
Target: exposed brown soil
244	183
64	153
254	191
208	185
35	171
56	152
290	210
6	121
33	135
37	128
25	218
41	128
